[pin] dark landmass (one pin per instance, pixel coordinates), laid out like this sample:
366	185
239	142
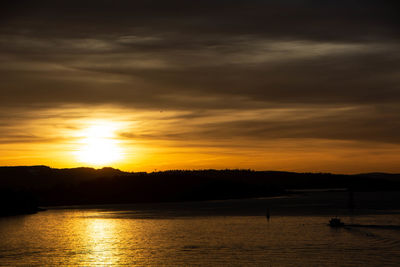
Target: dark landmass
23	189
17	202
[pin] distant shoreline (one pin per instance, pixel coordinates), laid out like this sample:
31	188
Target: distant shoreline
26	188
327	204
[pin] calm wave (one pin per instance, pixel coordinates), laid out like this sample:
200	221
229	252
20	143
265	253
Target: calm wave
152	237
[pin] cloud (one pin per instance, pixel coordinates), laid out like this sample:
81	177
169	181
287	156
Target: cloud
250	52
266	125
275	72
328	20
252	70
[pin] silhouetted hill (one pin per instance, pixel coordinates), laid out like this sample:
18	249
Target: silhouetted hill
43	176
46	186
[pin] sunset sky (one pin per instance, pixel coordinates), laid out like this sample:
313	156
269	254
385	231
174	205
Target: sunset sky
295	85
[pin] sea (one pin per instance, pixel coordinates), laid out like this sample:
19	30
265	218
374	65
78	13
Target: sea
210	233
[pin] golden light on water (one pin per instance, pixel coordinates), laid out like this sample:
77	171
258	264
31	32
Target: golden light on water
100	237
99	144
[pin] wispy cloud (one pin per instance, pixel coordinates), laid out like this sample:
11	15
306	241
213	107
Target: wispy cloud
201	72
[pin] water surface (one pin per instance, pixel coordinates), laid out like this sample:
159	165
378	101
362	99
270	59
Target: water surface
152	236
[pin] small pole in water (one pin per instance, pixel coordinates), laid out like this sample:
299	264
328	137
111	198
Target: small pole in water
350	204
267	215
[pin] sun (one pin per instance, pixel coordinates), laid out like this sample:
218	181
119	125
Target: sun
99	144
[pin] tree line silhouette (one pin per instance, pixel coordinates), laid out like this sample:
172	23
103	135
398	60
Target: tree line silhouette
22	189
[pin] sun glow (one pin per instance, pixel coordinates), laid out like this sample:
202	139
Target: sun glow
99	144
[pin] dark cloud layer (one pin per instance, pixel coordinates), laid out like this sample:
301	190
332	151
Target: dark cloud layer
211	55
327	20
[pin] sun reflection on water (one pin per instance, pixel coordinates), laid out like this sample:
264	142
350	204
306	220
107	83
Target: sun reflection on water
117	238
101	239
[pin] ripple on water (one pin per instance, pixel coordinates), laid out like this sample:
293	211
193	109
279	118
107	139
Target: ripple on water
95	237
